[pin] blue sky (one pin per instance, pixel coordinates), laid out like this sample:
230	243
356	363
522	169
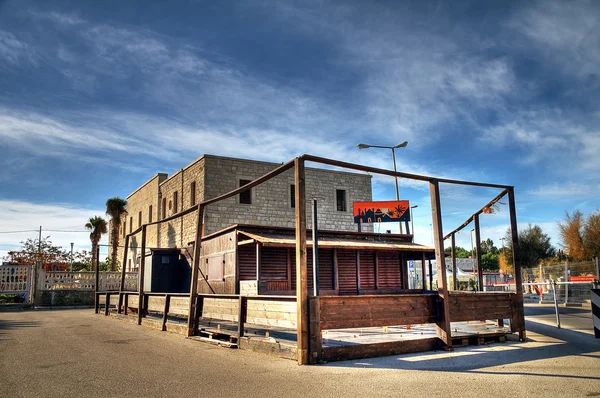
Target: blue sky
95	99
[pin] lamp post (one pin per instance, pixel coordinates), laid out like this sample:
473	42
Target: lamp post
401	145
412	221
72	243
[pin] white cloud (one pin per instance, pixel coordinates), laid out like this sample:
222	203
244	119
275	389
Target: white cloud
566	190
20	215
12	49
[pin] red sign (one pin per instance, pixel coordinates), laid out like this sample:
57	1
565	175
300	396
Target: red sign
386	211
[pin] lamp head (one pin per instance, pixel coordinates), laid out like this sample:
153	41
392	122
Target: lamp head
363	146
414	207
402	144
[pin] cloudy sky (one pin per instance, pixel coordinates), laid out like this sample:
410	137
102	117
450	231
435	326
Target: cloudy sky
95	98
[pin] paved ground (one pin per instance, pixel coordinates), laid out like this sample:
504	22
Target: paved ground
76	353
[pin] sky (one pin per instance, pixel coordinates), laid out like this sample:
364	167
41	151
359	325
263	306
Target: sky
95	98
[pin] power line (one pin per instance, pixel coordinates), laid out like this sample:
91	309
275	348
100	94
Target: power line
18	232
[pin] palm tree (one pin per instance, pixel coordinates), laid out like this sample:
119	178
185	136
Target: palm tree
115	208
98	227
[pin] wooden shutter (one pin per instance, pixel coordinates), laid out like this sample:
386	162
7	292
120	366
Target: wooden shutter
247	262
273	263
347	271
367	269
389	269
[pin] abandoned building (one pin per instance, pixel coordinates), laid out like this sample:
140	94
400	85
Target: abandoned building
270	204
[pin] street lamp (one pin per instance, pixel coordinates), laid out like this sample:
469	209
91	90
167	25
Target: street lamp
400	145
412	221
472	251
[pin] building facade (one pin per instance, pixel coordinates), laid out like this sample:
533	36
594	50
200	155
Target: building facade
269	204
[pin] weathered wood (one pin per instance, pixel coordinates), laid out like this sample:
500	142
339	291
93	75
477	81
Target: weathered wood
123	264
359	351
358	272
107	304
166	312
141	277
443	325
454	280
192	325
317	159
376	269
316	336
519	318
478	253
301	263
336	281
241	315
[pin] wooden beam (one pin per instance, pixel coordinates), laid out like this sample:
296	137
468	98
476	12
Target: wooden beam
122	284
301	264
192	318
258	259
166	312
141	277
430	276
454	281
289	267
242	312
316	336
353	166
519	320
478	253
443	325
468	221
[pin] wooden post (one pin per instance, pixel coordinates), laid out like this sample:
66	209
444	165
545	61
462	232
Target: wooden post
454	280
258	252
301	264
424	271
198	310
106	304
519	320
478	253
166	312
242	311
141	277
122	285
316	337
315	239
192	318
443	325
126	303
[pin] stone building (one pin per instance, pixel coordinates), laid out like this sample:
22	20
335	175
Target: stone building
269	204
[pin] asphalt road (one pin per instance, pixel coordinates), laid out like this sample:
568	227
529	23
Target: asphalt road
75	353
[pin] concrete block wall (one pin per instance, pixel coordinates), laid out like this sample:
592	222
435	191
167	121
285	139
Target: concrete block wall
140	201
271	201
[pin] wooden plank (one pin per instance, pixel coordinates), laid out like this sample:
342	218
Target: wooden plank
141	277
316	336
107	304
443	325
358	271
379	349
241	315
166	312
192	325
336	282
317	159
301	264
376	269
478	253
519	318
423	271
454	279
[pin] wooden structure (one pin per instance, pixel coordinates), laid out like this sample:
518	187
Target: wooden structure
316	313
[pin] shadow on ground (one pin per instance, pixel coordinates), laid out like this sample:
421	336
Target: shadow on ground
545	342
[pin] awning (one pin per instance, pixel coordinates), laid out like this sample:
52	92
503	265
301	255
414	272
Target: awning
281	240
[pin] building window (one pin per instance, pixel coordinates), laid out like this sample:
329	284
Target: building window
175	202
130	223
164	208
124	227
246	196
293	196
193	193
140	219
150	213
340	199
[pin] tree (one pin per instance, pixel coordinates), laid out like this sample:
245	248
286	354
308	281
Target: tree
98	227
487	246
534	246
591	235
53	258
461	252
571	231
115	208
